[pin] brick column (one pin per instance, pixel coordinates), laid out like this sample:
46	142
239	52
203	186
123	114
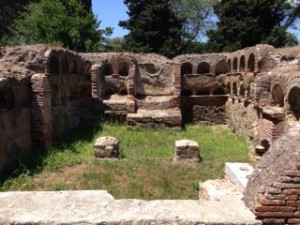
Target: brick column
131	80
270	127
41	116
177	78
95	71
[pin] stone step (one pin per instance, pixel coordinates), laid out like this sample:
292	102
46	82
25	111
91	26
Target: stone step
155	118
157	102
99	207
118	103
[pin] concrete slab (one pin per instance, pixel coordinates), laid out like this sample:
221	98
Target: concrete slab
99	207
238	173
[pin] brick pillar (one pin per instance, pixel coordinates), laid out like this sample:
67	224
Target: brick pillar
95	71
131	80
41	116
177	78
270	127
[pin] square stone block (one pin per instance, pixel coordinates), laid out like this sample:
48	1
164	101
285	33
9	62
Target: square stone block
106	147
186	151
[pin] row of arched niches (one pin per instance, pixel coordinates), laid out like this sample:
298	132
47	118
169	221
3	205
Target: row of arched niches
205	79
114	79
199	74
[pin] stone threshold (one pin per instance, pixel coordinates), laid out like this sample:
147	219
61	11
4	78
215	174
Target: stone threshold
99	207
220	203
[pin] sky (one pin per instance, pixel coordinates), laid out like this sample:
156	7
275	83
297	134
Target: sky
110	12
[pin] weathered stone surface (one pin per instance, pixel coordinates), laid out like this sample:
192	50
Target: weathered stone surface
155	118
157	102
208	109
106	147
15	129
99	207
186	151
119	104
279	159
238	173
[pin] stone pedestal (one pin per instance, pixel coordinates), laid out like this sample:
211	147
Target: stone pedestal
186	151
106	147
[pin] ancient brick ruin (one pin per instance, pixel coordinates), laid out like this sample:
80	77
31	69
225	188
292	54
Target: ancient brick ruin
46	91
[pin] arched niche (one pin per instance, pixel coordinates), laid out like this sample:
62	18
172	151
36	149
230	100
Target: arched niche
221	68
203	68
262	148
123	69
107	92
74	67
228	86
251	63
234	89
107	69
7	99
186	68
65	65
186	92
123	91
235	64
2	101
242	91
229	64
53	65
294	101
277	95
202	92
219	91
242	64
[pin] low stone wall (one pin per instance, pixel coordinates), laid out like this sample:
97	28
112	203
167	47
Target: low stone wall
203	109
242	119
70	94
45	91
15	129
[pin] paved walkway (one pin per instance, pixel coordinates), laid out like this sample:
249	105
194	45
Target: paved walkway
99	207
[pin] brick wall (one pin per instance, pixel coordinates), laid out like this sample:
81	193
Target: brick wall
280	204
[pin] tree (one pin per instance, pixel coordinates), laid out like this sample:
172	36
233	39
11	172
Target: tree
114	45
246	23
153	27
63	22
196	16
9	10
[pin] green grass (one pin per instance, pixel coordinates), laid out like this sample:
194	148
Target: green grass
144	170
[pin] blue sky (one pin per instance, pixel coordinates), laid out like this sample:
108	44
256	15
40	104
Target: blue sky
110	12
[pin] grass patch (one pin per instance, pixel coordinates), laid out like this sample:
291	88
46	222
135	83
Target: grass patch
145	169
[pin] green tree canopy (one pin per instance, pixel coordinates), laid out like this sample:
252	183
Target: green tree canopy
9	10
153	27
196	17
63	22
246	23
